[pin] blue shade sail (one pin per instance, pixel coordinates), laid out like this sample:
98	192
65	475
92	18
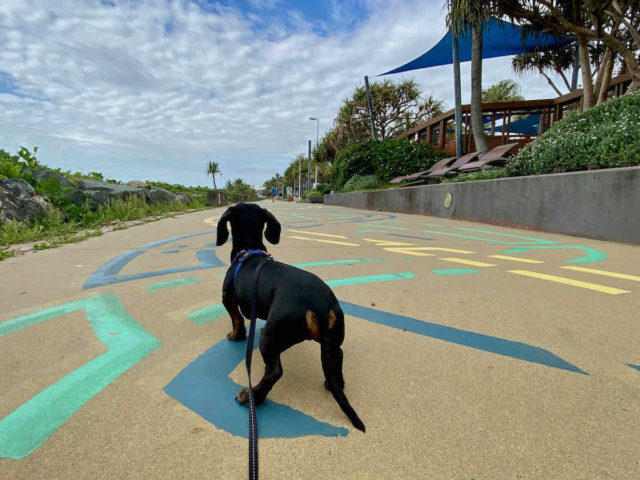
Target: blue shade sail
499	40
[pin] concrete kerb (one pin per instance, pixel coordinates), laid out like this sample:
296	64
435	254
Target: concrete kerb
600	204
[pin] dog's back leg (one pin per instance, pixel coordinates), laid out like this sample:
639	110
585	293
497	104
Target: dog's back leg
230	302
331	356
270	351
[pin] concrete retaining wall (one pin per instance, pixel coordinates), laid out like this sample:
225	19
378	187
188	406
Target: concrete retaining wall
216	198
602	204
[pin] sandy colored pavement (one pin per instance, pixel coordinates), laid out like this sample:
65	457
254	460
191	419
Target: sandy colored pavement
472	352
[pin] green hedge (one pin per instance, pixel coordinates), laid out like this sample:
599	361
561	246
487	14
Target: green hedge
384	159
605	136
360	182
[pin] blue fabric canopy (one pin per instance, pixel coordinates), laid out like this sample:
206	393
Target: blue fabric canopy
499	40
530	124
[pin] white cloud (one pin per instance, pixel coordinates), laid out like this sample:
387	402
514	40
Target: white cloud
154	89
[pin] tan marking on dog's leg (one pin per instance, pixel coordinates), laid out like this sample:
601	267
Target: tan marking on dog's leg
332	319
312	325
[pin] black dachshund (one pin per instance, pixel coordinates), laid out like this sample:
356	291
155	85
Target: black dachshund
297	305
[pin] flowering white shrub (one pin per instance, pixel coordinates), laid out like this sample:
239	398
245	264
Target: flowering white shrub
604	136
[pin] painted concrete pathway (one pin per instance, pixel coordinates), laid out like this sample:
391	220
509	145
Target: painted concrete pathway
472	351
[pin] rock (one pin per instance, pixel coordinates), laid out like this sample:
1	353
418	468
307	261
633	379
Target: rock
19	201
99	193
160	195
43	174
138	184
183	197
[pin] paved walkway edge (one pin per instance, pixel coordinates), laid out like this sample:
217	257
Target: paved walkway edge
600	204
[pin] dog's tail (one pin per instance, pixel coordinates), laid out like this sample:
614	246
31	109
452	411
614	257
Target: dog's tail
346	407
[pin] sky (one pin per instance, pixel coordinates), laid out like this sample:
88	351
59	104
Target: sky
154	89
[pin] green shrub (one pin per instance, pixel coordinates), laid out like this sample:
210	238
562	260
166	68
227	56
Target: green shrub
360	182
604	136
386	160
323	188
481	175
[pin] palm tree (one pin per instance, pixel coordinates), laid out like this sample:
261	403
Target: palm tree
503	91
472	13
213	169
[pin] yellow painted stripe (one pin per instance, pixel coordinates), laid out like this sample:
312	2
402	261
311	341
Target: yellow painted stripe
409	251
326	241
211	220
605	273
469	262
387	243
318	233
569	281
515	259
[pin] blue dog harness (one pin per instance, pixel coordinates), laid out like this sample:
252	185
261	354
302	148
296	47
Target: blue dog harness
242	256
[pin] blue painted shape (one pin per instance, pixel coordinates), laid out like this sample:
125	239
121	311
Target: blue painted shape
171	251
487	343
637	367
179	246
592	255
298	227
371	224
170	240
408	236
107	274
367	218
204	386
214	244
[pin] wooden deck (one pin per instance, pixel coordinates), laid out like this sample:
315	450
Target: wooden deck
505	122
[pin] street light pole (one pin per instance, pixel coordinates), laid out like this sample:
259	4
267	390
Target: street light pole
299	184
317	120
309	168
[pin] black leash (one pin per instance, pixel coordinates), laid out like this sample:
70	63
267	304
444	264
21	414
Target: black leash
253	422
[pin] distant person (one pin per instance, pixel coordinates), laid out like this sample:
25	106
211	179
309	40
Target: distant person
273	194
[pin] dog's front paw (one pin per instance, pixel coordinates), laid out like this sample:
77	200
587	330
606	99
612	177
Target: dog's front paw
243	396
237	335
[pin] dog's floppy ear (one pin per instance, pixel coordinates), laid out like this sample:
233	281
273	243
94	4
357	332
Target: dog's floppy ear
223	231
272	233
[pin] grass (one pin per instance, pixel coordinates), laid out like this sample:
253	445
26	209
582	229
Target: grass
54	230
4	254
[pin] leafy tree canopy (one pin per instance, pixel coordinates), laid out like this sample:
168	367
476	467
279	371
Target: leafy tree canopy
503	91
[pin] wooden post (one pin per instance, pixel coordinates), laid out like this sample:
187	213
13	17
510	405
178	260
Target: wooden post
374	135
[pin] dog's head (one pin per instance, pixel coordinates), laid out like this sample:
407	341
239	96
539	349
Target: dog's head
247	224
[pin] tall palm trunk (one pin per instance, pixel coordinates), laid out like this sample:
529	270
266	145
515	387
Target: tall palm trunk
476	88
214	181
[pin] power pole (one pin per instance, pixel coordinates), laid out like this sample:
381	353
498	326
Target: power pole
374	135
